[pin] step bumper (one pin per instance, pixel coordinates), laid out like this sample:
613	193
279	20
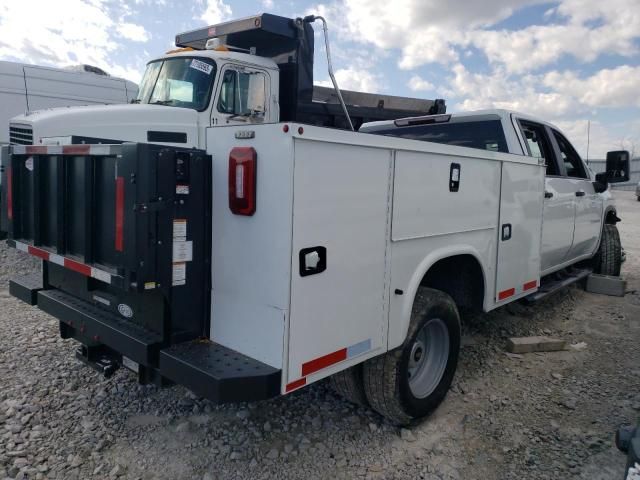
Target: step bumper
26	288
88	324
218	373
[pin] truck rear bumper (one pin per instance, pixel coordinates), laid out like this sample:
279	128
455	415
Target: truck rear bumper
208	369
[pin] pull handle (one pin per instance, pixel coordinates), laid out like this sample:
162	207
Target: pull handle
548	194
580	193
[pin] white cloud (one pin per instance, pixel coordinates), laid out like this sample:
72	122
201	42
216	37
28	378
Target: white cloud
419	84
268	4
216	11
134	32
430	31
475	91
617	87
354	79
48	40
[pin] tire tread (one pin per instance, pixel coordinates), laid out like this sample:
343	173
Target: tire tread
349	385
381	374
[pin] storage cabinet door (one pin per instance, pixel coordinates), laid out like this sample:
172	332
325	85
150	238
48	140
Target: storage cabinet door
519	231
340	235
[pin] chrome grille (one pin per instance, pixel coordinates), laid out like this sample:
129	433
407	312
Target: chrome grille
20	135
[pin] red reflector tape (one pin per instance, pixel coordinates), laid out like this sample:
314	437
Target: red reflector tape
506	293
10	193
77	267
530	285
37	252
119	214
294	385
36	150
323	362
76	149
65	262
84	149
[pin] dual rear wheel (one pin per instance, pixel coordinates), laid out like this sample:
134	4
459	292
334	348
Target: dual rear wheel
409	382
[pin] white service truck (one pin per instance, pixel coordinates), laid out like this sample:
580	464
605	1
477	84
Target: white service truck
245	256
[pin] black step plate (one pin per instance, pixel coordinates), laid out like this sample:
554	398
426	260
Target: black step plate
556	281
26	288
219	373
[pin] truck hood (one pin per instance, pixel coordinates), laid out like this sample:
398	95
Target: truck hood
129	123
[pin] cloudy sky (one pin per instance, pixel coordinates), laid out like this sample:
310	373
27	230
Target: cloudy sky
569	62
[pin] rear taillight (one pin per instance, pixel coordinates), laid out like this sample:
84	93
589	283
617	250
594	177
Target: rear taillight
119	214
10	193
242	180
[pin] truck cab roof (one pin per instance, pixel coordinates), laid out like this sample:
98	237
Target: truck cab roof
244	58
476	115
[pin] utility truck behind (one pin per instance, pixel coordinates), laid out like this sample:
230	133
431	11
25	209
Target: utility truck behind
226	239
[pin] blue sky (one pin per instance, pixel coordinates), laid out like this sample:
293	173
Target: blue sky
569	62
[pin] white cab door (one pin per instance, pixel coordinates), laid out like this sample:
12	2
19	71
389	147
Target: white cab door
588	204
558	221
558	216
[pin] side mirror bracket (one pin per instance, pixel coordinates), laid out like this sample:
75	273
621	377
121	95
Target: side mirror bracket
601	185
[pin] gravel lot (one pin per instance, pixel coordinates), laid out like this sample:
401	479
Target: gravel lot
536	416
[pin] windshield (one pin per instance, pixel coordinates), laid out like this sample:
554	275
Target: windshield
179	82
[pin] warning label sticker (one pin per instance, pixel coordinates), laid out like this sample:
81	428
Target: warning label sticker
179	274
182	251
180	229
182	189
201	66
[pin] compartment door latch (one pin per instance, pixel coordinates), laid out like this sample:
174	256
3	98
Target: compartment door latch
313	260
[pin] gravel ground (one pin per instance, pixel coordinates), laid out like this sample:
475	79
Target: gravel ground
535	416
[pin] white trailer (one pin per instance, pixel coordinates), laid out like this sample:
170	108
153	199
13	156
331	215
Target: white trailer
28	88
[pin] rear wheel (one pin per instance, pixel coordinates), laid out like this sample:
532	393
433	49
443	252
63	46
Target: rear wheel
349	385
411	381
608	260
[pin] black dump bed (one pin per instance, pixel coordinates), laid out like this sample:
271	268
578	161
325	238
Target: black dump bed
290	43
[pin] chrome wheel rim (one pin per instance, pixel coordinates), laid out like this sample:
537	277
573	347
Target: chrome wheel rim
428	358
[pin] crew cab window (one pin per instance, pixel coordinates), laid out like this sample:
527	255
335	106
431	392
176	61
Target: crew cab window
234	93
538	145
572	161
485	135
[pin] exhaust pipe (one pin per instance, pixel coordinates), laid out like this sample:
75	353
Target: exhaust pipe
325	30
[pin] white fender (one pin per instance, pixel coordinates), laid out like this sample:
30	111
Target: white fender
400	314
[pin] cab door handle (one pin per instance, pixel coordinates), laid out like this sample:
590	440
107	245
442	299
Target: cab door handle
580	193
548	194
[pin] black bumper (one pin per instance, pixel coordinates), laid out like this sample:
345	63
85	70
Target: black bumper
208	369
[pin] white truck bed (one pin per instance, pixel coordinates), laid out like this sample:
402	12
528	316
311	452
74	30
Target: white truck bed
383	209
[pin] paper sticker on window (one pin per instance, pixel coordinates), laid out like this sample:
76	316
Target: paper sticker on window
201	66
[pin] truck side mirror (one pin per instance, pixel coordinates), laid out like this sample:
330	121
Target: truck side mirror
257	95
617	166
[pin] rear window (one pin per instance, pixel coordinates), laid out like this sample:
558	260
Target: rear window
485	135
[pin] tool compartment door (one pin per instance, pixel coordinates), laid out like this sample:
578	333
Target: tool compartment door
519	231
341	218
